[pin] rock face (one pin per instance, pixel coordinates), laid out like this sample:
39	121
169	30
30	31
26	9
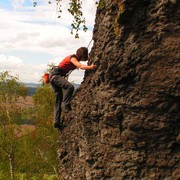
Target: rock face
125	118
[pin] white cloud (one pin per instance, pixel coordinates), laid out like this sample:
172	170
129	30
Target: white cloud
18	33
17	3
16	66
30	72
37	30
10	62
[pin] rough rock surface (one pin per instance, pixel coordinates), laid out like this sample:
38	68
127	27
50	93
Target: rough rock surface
125	118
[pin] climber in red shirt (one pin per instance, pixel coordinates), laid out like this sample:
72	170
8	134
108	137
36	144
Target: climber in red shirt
62	88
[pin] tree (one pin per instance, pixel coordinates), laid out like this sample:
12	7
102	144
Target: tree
46	136
44	104
27	151
10	116
75	9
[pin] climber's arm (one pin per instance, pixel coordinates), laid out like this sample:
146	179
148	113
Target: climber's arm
82	66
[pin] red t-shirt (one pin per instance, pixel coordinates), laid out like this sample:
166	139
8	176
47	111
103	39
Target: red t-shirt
66	65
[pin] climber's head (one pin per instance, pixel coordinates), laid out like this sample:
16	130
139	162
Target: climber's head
82	54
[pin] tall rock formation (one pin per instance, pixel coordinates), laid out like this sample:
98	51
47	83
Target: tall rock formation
125	118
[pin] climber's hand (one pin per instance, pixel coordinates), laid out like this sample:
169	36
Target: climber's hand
93	66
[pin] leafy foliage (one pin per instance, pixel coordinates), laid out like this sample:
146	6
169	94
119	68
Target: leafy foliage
44	103
75	9
26	153
10	117
46	137
10	89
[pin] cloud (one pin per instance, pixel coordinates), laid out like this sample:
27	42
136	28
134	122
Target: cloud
17	3
37	31
10	62
19	33
31	72
26	72
76	76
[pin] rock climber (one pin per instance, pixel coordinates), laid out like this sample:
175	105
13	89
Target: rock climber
62	88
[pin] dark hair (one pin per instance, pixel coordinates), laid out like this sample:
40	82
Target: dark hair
82	53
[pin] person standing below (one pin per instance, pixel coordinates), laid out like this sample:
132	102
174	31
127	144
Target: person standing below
62	88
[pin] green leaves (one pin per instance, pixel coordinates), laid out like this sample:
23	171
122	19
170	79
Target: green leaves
10	116
33	147
75	9
10	88
44	104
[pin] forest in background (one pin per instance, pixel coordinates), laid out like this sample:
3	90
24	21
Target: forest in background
28	142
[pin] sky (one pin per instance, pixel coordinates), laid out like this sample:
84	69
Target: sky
31	37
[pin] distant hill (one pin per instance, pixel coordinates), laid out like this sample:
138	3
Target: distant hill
31	91
31	87
34	85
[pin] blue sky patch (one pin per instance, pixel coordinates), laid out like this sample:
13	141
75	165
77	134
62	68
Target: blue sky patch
6	4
